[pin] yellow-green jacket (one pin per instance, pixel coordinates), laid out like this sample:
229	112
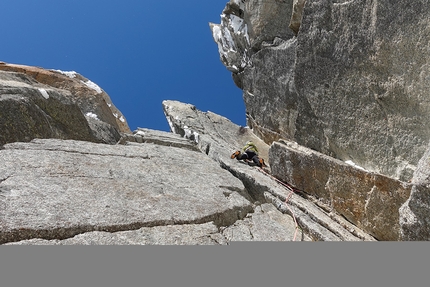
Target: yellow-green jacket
250	146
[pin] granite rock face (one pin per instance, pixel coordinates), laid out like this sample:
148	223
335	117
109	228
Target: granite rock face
415	212
370	201
56	189
363	68
351	82
155	187
40	103
152	188
246	25
217	137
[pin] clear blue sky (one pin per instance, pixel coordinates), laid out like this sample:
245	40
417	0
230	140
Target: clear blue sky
140	52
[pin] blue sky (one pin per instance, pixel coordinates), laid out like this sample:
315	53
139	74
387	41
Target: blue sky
140	52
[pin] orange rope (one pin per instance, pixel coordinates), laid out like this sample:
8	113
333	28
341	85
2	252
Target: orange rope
291	189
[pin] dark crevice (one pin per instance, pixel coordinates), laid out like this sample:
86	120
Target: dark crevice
4	179
254	189
225	218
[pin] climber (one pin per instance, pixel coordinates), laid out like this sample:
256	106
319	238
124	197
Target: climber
249	153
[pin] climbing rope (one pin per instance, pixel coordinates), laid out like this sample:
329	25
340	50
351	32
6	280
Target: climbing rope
292	190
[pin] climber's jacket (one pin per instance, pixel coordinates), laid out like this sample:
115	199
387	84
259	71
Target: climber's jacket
250	146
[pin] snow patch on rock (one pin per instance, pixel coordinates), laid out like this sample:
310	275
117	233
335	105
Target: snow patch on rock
92	115
232	38
70	74
93	86
350	162
44	93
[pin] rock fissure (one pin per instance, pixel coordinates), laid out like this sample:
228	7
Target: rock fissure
225	218
5	178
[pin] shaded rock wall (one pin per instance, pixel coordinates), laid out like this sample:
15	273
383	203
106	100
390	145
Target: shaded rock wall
363	68
415	212
353	83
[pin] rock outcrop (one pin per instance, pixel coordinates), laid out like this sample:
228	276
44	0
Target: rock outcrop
353	84
155	187
40	103
415	212
350	85
369	200
147	191
218	137
246	26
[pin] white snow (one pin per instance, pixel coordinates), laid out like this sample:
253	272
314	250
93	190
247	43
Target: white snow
196	137
228	42
350	162
141	133
230	36
218	38
236	23
190	134
224	39
122	119
92	115
70	74
44	93
93	86
172	127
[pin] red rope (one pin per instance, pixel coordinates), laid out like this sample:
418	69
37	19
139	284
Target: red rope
291	189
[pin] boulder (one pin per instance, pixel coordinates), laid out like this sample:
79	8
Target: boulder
369	200
40	103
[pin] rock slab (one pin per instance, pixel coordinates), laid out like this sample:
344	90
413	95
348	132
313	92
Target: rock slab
56	189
